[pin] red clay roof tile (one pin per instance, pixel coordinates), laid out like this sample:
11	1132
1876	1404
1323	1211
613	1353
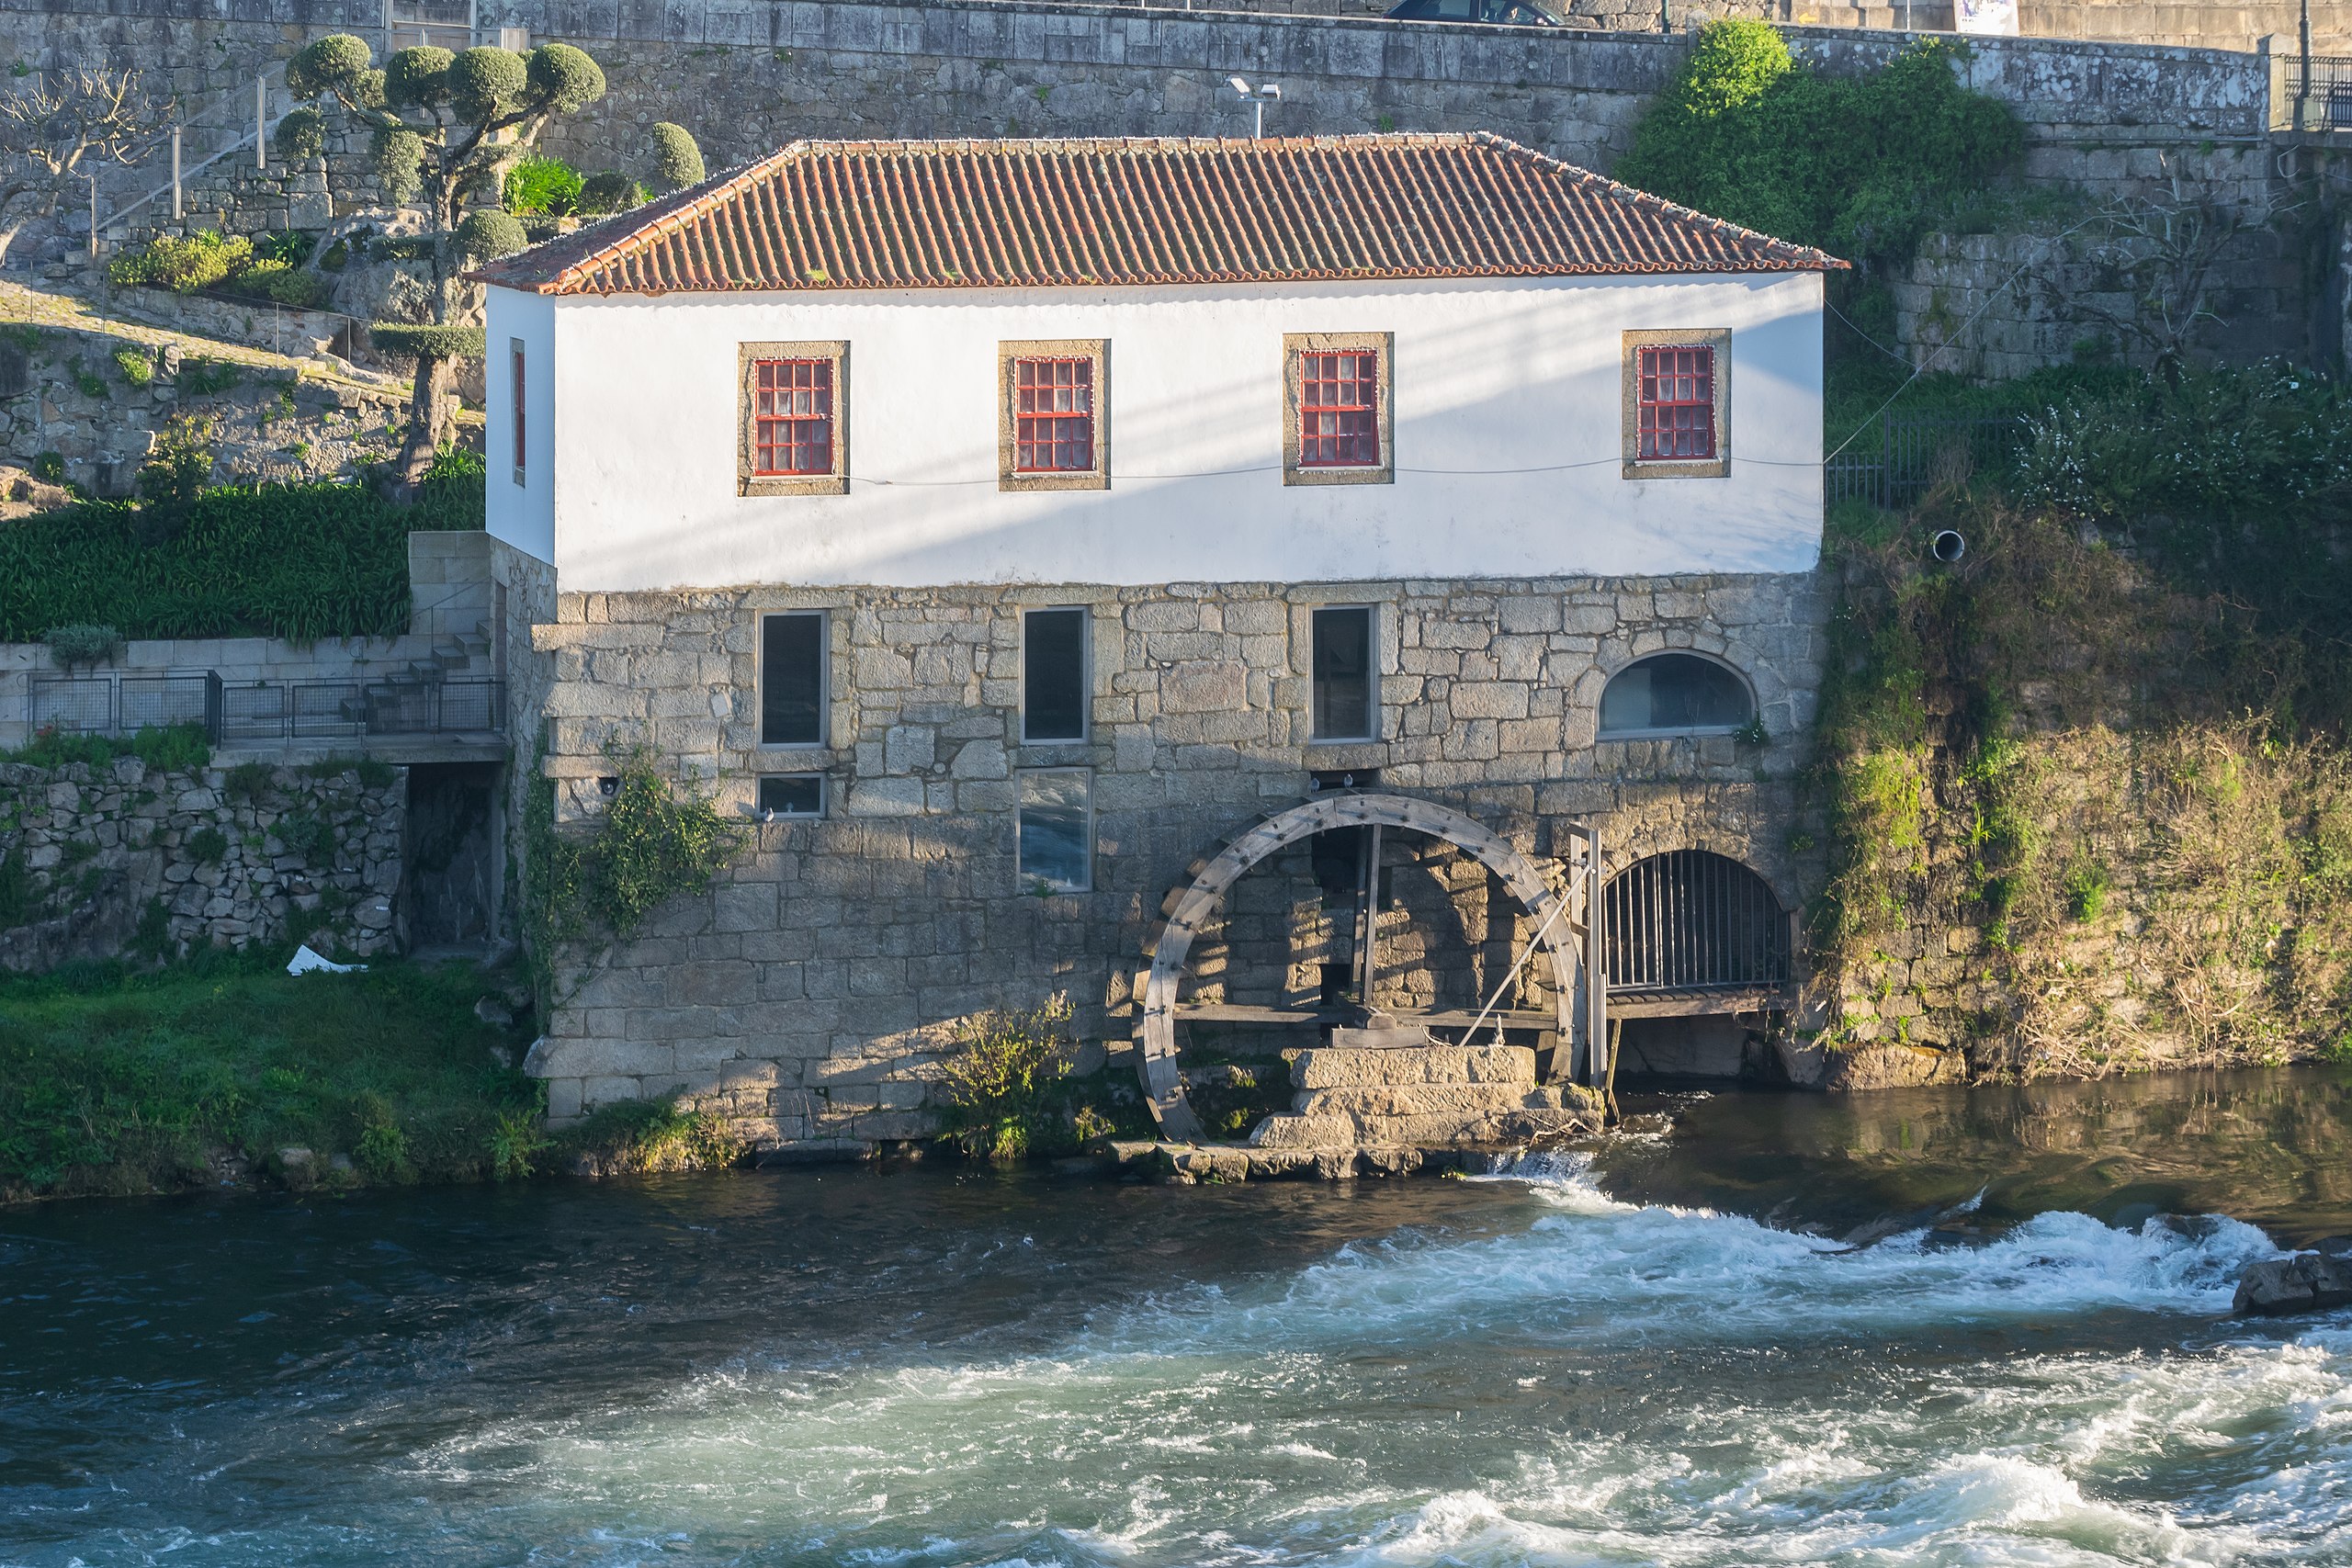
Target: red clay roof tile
1140	210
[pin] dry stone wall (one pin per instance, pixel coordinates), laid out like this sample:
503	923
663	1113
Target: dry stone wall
813	991
97	860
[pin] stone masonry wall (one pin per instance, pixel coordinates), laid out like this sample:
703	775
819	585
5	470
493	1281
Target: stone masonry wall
2103	120
813	990
231	858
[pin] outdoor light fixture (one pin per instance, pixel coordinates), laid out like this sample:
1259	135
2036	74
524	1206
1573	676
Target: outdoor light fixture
608	786
1271	92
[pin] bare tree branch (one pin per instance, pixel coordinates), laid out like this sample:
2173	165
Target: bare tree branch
54	126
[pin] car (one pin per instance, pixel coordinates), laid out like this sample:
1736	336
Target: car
1495	13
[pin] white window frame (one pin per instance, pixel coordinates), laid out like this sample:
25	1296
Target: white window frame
1029	879
1754	709
1371	676
824	684
824	798
1085	675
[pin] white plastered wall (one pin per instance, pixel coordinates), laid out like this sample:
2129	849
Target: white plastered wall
522	515
1508	439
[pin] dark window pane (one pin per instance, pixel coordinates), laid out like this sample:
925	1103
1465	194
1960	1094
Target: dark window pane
1053	675
792	679
793	795
1674	691
1055	829
1342	674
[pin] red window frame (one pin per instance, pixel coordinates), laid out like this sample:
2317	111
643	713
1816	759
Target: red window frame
1678	403
1339	409
793	428
1053	413
521	405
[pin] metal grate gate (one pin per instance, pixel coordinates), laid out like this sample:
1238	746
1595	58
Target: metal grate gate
1691	920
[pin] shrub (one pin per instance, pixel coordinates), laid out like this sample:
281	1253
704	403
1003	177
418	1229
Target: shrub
306	836
543	184
172	748
291	246
675	160
299	561
183	264
409	340
1000	1083
82	643
489	234
300	290
50	468
202	378
1745	133
207	846
175	471
302	134
610	192
137	366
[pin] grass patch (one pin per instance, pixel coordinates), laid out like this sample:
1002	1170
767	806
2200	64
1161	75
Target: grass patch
632	1137
116	1082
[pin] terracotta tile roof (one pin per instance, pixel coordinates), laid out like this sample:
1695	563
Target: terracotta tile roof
1027	213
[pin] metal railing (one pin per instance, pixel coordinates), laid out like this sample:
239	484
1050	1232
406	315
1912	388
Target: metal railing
2320	99
1692	920
267	710
1909	454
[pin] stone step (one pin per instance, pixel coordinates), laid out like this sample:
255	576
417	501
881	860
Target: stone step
1329	1067
1448	1131
1415	1099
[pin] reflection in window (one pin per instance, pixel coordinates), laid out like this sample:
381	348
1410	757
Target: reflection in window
1057	830
1674	691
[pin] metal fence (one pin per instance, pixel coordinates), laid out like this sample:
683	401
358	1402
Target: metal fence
2320	99
1909	454
267	710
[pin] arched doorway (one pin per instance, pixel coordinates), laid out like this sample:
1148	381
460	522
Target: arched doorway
1561	931
1691	941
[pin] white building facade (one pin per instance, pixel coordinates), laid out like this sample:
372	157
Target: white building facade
999	527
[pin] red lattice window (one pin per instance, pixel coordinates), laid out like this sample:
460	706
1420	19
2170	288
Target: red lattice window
1678	403
1054	416
1338	410
792	416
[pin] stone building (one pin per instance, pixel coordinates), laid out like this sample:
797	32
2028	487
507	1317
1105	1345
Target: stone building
1001	529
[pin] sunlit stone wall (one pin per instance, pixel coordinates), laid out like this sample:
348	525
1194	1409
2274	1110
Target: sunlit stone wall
813	991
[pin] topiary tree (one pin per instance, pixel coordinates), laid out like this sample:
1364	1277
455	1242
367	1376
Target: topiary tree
435	350
675	159
438	117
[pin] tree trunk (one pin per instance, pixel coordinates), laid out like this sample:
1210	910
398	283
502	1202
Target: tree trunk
427	415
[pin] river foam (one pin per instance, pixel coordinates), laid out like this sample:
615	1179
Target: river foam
1610	1382
1571	1380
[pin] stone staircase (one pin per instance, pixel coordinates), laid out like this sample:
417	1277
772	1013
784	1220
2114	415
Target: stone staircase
1395	1089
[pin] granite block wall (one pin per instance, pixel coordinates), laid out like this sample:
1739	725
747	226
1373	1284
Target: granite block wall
814	990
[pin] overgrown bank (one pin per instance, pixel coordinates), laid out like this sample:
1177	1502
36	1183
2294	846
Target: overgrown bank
2088	802
230	1070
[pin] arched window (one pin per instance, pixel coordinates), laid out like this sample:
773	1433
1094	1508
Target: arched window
1673	693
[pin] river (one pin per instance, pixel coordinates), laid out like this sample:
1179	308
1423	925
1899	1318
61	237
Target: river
1922	1328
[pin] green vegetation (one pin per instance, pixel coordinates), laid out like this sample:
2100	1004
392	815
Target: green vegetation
201	378
182	264
1747	134
82	644
1008	1089
116	1082
136	366
675	160
170	749
2135	688
489	234
653	843
631	1137
299	561
543	184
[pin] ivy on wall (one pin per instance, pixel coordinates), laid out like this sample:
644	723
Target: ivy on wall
583	892
1861	167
